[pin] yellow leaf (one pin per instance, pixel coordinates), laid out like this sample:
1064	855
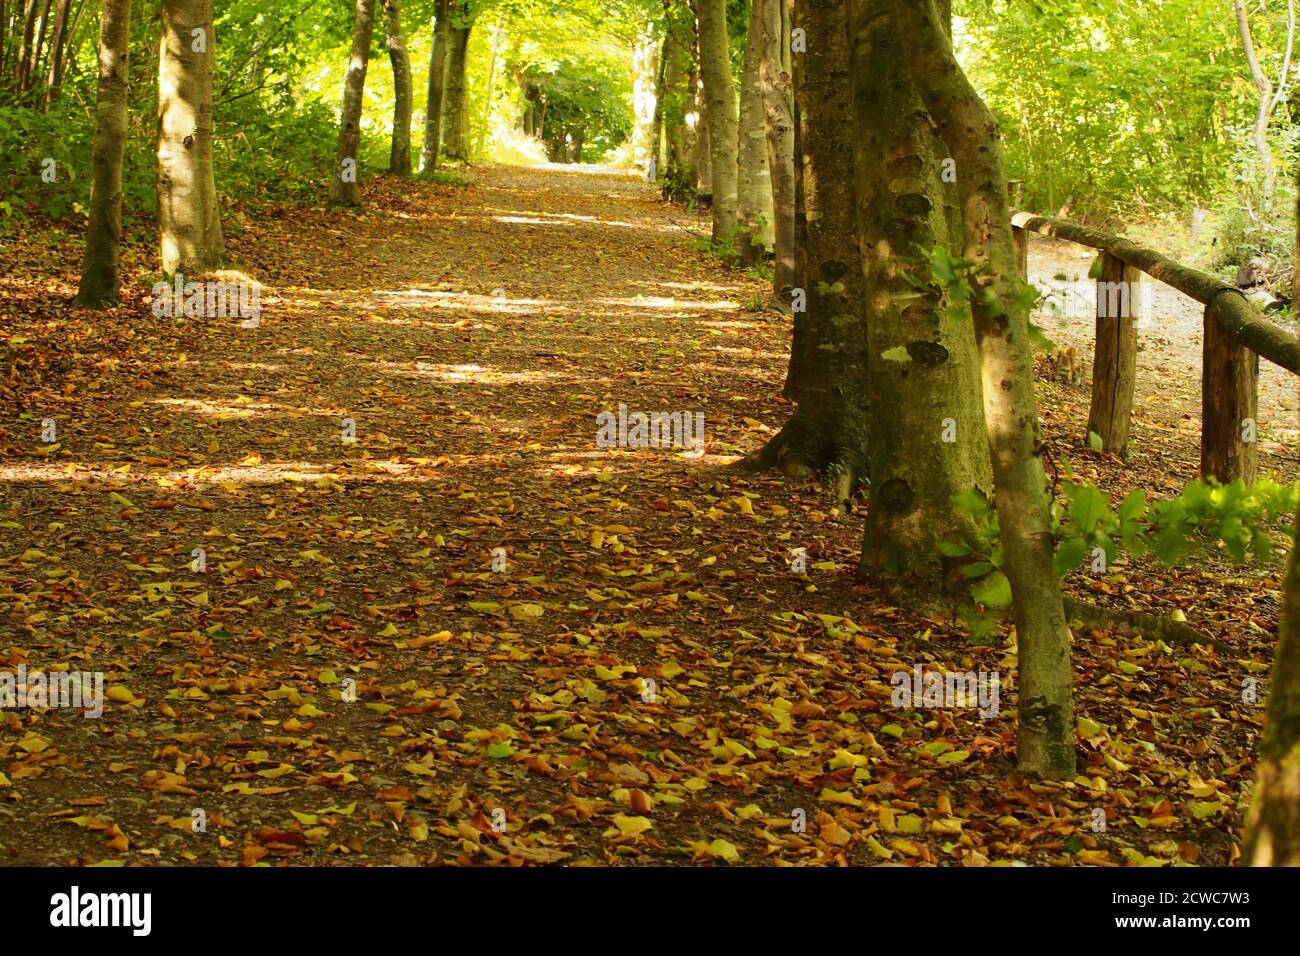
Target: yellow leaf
721	848
630	826
526	612
120	695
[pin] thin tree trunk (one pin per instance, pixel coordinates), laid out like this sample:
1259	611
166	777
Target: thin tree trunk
437	89
57	41
456	114
189	215
1268	98
778	107
34	67
399	157
679	111
99	271
344	188
1001	310
754	182
720	94
25	46
657	122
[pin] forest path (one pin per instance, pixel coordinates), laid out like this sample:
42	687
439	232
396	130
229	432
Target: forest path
643	679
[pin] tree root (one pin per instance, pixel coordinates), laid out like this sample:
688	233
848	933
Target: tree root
1135	622
802	450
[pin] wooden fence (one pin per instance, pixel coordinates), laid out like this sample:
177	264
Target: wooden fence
1236	337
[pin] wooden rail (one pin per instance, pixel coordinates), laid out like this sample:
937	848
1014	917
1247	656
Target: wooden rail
1236	336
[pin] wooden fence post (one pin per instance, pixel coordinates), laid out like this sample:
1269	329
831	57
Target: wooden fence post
1021	237
1114	365
1229	405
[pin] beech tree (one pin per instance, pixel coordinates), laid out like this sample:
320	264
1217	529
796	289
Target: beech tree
455	121
927	441
344	189
720	114
754	178
189	215
828	356
99	271
776	73
399	160
437	88
1000	306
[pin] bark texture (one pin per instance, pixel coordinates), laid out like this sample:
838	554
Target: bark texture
721	114
1045	743
455	120
928	441
99	271
828	431
778	106
754	183
399	157
1273	821
345	189
437	89
189	216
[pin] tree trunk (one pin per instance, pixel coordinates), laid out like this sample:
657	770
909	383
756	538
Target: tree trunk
679	101
1001	310
657	121
25	46
58	39
43	22
778	107
1273	821
927	437
720	94
99	276
399	157
828	431
456	116
754	180
344	188
189	215
437	88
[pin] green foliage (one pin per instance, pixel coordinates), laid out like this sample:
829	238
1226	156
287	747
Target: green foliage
1204	515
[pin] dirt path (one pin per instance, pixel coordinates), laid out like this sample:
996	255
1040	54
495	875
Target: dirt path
604	651
1170	332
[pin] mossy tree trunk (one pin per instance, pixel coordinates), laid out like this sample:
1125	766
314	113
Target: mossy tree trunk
455	120
99	271
927	435
1045	743
828	431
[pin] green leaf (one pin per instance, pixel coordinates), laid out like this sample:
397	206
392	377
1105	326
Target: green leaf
993	591
897	354
1069	554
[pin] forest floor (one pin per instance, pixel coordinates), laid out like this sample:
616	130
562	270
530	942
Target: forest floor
641	677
